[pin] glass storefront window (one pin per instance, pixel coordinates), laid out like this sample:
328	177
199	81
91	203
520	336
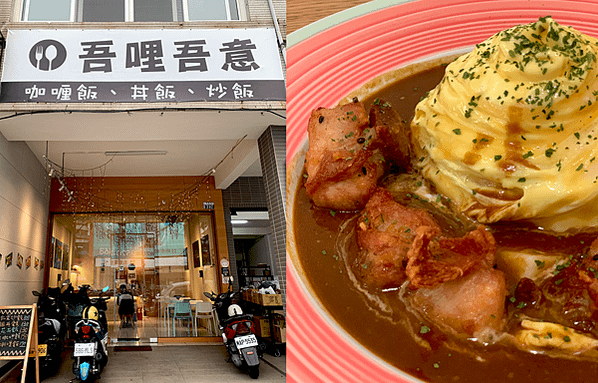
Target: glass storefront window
160	259
129	10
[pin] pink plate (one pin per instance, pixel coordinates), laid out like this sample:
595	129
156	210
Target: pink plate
329	59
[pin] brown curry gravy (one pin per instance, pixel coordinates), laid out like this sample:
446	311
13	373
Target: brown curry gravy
391	338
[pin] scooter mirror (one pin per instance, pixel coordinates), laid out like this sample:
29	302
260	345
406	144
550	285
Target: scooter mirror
105	289
36	293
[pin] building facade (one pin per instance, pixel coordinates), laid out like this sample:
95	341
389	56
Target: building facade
121	124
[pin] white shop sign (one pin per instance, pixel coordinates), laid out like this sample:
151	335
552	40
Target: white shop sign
133	65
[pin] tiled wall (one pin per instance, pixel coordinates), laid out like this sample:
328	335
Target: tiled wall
268	192
272	147
245	192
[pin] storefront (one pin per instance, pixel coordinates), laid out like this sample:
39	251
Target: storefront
162	254
136	128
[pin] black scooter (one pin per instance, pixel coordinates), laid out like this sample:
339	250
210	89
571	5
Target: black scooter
90	350
51	330
238	332
76	303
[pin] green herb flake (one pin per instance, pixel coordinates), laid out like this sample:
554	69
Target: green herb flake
424	330
457	131
540	264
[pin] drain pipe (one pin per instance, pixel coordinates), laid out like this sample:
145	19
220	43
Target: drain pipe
278	34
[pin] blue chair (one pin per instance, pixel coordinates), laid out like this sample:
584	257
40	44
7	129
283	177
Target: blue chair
182	310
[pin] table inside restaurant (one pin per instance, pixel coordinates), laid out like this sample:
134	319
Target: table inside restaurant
303	12
167	310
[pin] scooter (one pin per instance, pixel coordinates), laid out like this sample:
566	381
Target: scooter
90	350
126	308
238	332
76	303
51	330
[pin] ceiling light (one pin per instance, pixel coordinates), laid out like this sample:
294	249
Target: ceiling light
238	221
111	153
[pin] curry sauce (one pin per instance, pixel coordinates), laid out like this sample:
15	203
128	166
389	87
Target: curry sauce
381	321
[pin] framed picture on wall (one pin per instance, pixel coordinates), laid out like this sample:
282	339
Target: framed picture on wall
195	247
58	255
66	260
186	259
205	250
52	251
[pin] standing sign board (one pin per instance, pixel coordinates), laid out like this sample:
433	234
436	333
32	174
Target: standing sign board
18	335
135	65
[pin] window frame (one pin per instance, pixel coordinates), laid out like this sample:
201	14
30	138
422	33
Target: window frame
76	11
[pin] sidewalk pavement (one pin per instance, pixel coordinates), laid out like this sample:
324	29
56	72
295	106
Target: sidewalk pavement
188	363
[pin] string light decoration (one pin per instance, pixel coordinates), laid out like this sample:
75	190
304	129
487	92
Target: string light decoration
86	191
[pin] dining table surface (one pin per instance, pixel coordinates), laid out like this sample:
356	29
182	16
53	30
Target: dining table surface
304	12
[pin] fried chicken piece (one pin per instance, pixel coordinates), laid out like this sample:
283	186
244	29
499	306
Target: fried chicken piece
468	305
343	162
385	232
434	259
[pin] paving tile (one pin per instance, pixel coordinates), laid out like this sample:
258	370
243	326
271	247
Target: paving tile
175	364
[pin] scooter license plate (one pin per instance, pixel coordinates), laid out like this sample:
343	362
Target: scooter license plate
42	350
246	341
84	349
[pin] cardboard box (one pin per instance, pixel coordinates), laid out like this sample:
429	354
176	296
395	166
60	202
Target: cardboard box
278	318
262	326
249	295
269	299
280	334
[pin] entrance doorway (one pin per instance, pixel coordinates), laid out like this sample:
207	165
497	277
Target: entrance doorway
163	262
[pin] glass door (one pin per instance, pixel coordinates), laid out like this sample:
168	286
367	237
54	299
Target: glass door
157	267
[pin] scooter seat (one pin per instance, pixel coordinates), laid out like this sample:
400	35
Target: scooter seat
53	323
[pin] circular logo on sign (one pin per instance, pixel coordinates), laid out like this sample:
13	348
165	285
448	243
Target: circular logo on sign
224	262
47	55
